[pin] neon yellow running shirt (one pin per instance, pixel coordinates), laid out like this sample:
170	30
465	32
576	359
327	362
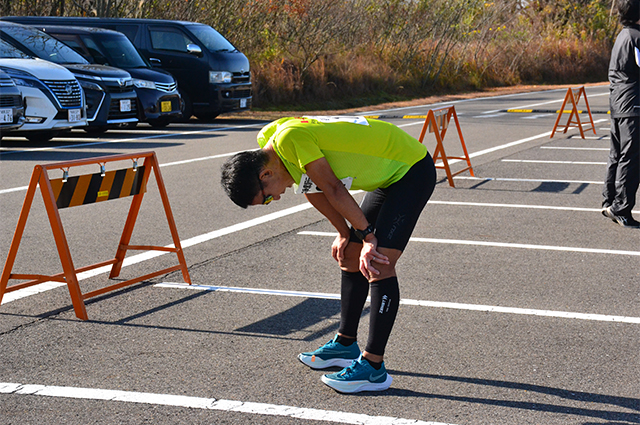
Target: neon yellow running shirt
374	153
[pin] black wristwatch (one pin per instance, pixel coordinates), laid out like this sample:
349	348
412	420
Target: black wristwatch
361	234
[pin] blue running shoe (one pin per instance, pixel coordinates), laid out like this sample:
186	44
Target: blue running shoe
360	376
331	354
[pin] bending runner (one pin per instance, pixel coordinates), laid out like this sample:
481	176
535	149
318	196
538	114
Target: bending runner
325	157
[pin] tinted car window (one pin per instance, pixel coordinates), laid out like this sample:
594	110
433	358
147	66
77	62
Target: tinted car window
95	51
46	46
71	41
118	50
163	39
129	30
8	51
211	38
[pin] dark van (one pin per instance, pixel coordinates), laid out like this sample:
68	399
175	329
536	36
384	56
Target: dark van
213	76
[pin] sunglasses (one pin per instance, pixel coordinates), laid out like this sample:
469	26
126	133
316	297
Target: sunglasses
266	199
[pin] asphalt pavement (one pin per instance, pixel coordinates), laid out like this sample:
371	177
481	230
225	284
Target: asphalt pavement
520	301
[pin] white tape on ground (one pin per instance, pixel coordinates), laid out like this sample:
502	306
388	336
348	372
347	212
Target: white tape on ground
501	245
207	404
539	161
422	303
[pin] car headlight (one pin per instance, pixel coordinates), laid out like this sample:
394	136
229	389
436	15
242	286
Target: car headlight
217	77
88	85
144	84
26	82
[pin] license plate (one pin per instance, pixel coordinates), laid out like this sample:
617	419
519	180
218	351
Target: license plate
243	103
75	115
6	115
125	105
165	106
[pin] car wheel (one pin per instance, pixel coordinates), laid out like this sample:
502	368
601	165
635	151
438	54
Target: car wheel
187	107
41	136
159	122
206	116
100	129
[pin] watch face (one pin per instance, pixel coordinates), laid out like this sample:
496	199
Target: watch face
361	234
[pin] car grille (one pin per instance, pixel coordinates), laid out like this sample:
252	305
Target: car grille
166	87
10	101
119	89
6	82
238	94
241	77
68	92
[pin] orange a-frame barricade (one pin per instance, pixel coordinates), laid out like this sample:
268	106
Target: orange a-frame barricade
437	122
573	96
86	189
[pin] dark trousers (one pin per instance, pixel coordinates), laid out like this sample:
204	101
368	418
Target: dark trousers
623	167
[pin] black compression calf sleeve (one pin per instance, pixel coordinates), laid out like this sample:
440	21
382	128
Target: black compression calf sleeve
353	294
385	299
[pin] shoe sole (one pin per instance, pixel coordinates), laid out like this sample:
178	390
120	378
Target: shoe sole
314	362
607	213
357	386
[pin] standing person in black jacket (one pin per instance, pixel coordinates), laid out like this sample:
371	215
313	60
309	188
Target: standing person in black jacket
623	167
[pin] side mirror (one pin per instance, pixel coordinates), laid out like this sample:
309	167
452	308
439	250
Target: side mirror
194	49
155	62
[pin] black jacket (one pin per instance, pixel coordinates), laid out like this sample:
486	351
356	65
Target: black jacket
624	74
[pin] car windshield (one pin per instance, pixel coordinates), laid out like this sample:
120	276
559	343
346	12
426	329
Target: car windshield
211	38
118	50
43	45
8	51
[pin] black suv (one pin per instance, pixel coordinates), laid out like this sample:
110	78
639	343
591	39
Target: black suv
11	104
157	90
110	97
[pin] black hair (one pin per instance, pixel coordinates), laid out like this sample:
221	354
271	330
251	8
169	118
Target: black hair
240	176
629	11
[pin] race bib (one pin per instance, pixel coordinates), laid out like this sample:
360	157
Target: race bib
307	186
332	119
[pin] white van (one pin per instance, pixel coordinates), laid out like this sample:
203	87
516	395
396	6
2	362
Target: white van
52	94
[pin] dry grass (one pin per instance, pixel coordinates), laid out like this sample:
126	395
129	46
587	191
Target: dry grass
500	91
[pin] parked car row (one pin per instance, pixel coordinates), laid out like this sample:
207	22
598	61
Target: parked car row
126	70
51	97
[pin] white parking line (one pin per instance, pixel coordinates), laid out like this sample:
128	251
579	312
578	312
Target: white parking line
501	245
525	206
537	161
569	148
421	303
206	404
534	117
506	179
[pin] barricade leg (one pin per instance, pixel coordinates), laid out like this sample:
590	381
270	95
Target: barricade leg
17	235
62	245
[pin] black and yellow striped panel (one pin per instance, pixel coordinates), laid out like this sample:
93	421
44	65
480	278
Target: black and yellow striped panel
90	188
